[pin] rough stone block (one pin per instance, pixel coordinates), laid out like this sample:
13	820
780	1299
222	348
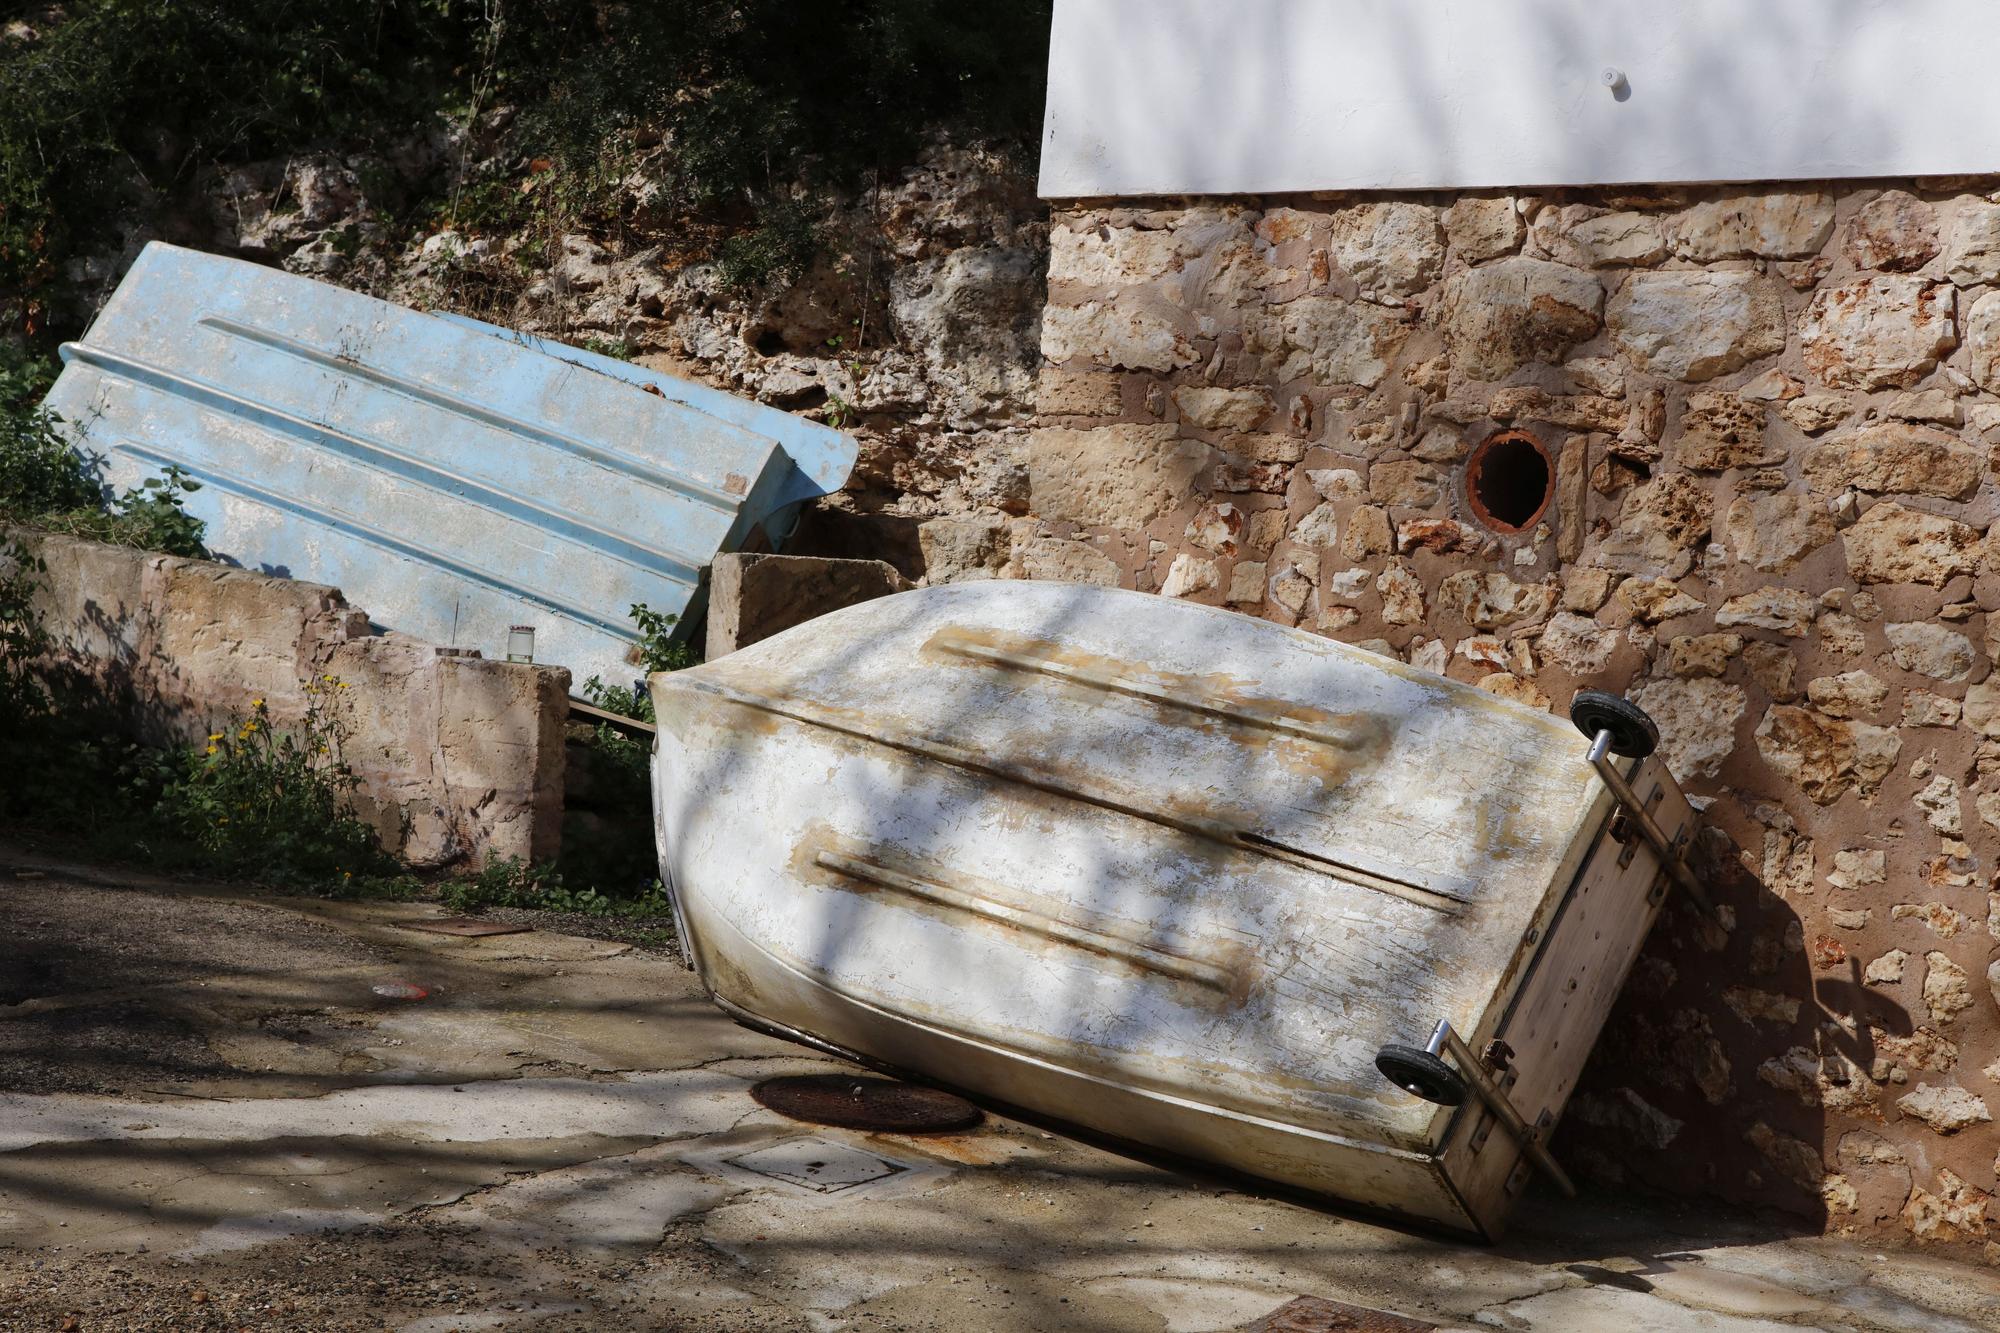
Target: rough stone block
752	597
1116	476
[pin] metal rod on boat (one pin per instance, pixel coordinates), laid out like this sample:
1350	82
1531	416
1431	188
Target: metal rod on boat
1444	1039
1642	819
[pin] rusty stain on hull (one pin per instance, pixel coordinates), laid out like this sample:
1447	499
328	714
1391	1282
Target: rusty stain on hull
938	887
1348	732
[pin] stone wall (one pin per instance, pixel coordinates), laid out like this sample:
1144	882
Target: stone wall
460	760
1764	416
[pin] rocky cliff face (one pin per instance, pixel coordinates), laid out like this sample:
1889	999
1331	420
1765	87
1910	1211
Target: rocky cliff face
918	327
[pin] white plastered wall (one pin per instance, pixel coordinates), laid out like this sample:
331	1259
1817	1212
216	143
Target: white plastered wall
1170	97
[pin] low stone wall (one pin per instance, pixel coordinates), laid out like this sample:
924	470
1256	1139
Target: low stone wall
460	760
1765	421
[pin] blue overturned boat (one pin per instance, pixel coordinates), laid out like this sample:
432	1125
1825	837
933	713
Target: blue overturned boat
454	478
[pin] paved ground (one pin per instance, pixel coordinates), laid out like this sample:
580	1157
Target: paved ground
209	1119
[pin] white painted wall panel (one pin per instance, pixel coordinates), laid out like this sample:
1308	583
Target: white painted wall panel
1267	96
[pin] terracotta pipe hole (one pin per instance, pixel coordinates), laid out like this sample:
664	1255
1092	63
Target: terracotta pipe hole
1509	481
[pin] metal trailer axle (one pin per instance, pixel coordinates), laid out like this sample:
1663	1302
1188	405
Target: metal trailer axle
1444	1039
1427	1074
1642	819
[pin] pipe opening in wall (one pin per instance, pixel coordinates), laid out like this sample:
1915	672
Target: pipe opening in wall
1509	481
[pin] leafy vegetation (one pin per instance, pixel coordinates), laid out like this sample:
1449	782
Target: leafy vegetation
254	800
517	883
46	482
273	806
112	105
739	116
24	697
658	650
611	843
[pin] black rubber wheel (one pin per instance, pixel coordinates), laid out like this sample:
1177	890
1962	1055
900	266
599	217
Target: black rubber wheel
1633	734
1421	1073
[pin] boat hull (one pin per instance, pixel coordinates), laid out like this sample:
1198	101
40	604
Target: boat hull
1162	871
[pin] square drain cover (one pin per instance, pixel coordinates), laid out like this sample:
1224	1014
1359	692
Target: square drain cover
819	1165
1314	1314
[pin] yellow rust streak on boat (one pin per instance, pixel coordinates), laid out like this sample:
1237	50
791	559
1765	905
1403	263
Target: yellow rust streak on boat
940	751
935	889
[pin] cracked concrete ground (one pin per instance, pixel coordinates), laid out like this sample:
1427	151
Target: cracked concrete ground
209	1119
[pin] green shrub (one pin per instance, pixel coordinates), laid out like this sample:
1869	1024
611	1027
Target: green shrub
780	248
116	101
149	517
618	349
120	108
251	802
39	472
616	851
24	698
47	482
271	805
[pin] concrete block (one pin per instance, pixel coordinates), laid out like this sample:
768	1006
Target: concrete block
500	747
752	597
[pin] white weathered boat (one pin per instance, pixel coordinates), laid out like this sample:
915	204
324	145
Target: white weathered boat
1190	879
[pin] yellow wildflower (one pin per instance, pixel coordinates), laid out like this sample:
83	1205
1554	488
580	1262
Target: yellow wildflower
211	749
215	735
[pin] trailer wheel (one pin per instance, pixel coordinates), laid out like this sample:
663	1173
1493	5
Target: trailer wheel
1421	1073
1633	734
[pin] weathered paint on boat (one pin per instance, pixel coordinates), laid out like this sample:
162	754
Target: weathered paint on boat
1162	870
452	478
821	457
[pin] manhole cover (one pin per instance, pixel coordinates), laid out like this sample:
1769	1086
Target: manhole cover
854	1101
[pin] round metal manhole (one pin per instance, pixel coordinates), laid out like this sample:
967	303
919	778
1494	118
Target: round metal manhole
858	1101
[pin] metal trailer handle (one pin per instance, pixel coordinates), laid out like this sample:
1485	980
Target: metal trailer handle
1426	1074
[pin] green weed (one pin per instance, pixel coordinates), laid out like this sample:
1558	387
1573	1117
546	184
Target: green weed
618	349
269	804
40	473
617	849
24	698
47	482
150	517
517	883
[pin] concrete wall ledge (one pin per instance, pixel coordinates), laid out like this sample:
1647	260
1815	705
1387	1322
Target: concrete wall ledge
459	759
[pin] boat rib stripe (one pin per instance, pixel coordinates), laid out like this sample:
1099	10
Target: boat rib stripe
1213	830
